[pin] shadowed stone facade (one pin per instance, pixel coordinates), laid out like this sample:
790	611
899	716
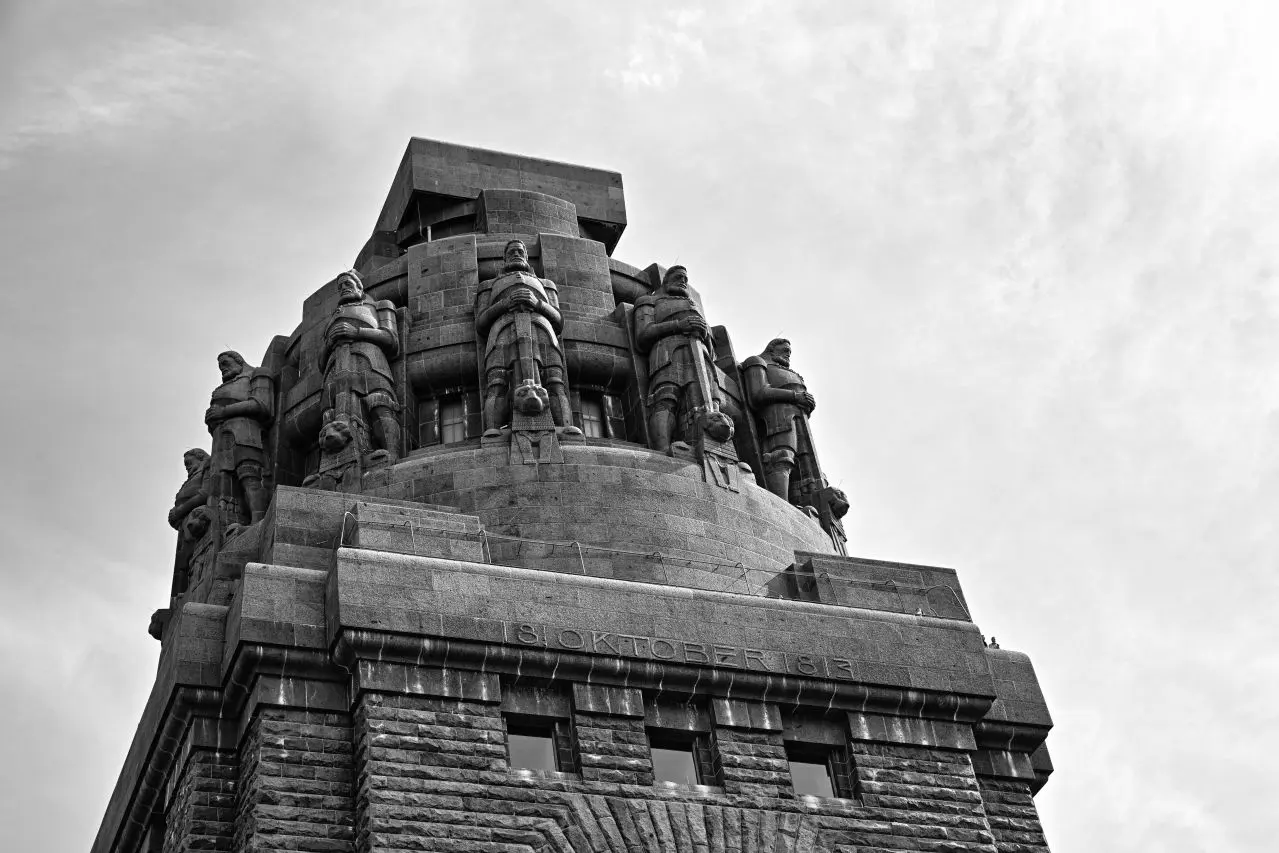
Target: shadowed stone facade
500	492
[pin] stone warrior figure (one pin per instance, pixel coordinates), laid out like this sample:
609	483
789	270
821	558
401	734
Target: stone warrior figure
241	408
361	338
518	316
193	492
780	397
193	495
681	374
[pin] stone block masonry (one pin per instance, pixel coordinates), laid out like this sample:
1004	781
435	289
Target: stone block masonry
413	611
397	739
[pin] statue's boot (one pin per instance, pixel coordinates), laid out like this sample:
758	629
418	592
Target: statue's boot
255	496
660	424
496	409
561	410
779	482
389	426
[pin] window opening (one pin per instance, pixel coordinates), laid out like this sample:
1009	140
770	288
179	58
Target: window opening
819	770
682	758
592	417
545	745
452	421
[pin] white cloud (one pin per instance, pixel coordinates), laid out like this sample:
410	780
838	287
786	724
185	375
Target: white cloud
144	83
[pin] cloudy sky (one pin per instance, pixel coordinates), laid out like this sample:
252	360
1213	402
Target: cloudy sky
1026	252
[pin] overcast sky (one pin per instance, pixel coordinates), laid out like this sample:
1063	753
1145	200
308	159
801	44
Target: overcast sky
1026	252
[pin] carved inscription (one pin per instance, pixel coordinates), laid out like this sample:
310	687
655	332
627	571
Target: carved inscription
678	651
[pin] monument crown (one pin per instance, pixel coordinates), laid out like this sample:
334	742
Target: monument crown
438	184
500	496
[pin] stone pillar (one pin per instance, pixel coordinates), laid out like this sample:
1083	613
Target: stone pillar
420	734
915	769
296	782
611	742
749	750
202	792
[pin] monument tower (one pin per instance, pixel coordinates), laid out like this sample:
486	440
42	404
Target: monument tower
506	547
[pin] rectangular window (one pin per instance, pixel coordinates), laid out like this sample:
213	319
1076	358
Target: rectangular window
540	744
820	770
449	418
592	417
682	758
452	421
614	417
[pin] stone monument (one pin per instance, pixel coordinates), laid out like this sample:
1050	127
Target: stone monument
503	550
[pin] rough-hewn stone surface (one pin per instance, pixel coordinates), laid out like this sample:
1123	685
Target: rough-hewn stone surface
1013	818
201	812
296	779
433	776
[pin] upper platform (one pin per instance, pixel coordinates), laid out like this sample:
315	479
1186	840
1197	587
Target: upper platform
437	185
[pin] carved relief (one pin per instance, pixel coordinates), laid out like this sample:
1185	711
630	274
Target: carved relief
361	338
517	316
341	466
684	394
195	542
241	409
832	506
533	437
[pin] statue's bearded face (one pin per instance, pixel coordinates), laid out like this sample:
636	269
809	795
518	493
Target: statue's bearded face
350	289
781	354
192	463
229	368
516	255
677	283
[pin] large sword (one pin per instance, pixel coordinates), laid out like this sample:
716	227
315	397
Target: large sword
697	348
524	344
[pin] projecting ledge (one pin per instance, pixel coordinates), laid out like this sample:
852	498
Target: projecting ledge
617	625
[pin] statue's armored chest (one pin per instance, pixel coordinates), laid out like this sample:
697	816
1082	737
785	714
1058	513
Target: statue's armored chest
783	377
359	313
672	308
519	279
236	390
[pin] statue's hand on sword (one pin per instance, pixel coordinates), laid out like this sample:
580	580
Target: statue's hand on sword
522	298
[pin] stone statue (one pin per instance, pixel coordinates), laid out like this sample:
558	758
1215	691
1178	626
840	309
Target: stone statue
779	396
241	409
684	394
361	338
518	316
193	495
194	491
